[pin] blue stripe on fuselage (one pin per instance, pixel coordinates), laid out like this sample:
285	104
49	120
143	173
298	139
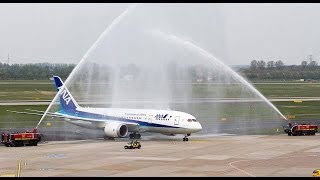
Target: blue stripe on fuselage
99	117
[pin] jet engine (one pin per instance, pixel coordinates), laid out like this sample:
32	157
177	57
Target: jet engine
116	129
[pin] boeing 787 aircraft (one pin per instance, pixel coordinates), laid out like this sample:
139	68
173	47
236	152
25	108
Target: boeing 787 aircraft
117	122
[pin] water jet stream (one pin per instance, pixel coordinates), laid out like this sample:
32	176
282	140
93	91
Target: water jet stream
95	44
174	39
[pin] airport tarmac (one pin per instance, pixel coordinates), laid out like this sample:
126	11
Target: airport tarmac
205	155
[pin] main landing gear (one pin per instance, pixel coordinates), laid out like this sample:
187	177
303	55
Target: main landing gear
135	136
186	137
109	138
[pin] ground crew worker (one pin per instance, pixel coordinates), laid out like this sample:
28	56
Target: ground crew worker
2	137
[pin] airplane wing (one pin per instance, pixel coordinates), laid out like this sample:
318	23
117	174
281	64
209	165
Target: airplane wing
100	123
73	119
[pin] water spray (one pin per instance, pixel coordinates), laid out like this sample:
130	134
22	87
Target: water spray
174	39
114	23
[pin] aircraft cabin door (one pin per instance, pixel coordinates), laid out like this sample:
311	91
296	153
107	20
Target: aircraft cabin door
150	118
176	120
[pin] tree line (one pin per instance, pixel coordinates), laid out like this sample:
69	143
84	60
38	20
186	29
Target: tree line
277	70
258	70
37	71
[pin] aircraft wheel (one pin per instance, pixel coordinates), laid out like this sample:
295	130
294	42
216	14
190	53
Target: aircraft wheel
187	139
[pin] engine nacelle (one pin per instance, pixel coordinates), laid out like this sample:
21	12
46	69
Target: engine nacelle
116	129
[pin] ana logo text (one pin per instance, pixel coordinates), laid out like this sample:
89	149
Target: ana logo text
161	116
65	96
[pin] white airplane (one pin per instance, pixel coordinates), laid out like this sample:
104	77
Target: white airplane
117	122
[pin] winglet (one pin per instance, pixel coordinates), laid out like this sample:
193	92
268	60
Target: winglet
58	82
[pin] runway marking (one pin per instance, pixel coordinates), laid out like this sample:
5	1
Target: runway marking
19	168
18	171
56	155
149	158
198	140
230	164
212	157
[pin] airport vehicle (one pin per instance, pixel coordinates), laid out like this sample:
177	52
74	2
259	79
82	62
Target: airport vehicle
316	173
132	144
21	139
117	122
300	129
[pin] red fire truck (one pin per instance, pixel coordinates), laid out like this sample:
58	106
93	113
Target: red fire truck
300	129
21	138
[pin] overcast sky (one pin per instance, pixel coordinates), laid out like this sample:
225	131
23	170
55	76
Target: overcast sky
62	33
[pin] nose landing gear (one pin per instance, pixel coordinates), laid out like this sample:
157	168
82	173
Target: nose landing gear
186	137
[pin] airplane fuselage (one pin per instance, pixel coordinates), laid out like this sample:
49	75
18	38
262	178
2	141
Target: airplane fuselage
161	121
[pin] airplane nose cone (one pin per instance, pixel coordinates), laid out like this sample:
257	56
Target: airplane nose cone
199	126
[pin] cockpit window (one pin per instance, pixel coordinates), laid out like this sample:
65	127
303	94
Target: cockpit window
190	120
194	120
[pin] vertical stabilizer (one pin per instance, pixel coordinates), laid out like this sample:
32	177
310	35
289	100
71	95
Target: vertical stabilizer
67	102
